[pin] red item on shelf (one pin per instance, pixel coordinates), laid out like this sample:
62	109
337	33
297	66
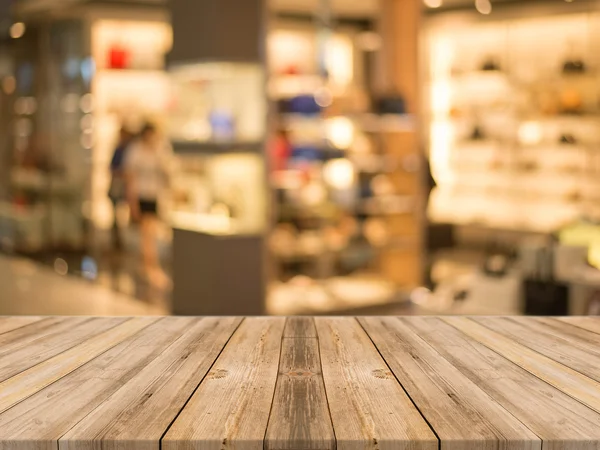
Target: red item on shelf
291	70
118	57
281	151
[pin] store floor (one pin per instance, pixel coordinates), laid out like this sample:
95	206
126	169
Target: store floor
30	288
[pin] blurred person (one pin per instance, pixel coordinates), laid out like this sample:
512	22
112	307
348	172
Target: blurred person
147	169
117	192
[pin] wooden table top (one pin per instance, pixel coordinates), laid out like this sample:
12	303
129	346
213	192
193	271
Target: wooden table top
378	383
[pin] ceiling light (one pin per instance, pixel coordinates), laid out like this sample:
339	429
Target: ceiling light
483	6
17	30
433	3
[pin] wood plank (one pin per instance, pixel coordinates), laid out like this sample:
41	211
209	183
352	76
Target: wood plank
463	416
34	379
39	421
576	337
23	335
300	417
369	409
302	327
15	358
548	341
569	381
587	323
12	323
141	411
562	422
231	407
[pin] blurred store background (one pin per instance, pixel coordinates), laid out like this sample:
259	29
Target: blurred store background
324	156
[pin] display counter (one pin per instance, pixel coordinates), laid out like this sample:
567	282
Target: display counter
314	383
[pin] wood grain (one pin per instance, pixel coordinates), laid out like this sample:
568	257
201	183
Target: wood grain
587	323
15	357
575	336
548	341
12	323
34	379
20	336
369	409
463	416
562	422
567	380
301	327
37	423
141	411
221	383
230	409
300	417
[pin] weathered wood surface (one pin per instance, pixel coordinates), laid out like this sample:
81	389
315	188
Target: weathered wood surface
220	383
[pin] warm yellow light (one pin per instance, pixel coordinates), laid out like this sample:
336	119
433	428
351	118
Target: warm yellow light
340	132
483	6
17	30
530	133
339	173
339	60
433	3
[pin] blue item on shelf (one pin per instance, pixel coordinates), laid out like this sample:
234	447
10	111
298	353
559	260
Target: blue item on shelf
306	153
303	104
222	126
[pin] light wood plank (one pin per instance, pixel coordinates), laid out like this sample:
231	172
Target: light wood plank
547	341
587	323
39	421
575	336
21	336
34	379
300	415
302	327
230	409
141	411
12	323
569	381
463	416
15	358
369	409
562	422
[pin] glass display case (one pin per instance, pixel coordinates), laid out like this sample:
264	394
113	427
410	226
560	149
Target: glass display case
217	124
220	194
217	103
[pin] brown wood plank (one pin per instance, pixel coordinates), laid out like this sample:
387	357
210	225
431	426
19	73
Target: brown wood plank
463	416
300	417
231	407
12	323
15	358
34	379
562	422
587	323
369	409
567	380
548	341
302	327
39	421
141	411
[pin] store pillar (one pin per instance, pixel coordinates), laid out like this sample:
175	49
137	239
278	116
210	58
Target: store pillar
217	65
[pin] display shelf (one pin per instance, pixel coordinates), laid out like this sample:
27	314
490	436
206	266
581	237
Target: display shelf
532	179
215	147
